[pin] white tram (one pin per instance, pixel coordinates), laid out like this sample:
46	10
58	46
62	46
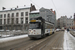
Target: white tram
38	28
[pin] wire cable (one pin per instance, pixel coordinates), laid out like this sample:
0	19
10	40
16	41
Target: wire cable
55	6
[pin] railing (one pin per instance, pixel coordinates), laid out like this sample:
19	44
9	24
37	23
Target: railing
72	32
12	33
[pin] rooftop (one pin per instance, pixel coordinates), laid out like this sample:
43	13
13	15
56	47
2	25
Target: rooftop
12	9
36	11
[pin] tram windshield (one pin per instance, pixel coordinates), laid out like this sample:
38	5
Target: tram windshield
35	25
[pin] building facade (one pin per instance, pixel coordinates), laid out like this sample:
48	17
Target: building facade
69	23
48	15
64	22
15	19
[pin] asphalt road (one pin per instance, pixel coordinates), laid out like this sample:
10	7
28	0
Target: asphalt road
52	42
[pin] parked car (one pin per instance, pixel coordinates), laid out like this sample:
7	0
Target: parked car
7	30
57	30
1	30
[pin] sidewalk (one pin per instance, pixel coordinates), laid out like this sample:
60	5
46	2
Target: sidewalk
69	41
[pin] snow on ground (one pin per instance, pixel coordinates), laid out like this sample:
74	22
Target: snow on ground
69	41
12	38
5	35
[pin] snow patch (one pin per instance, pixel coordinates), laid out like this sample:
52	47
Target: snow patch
12	38
67	45
36	11
71	36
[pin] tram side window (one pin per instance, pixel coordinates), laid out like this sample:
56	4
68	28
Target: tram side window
35	25
51	26
47	26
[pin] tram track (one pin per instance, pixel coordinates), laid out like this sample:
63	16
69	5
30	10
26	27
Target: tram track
30	45
42	45
46	43
55	43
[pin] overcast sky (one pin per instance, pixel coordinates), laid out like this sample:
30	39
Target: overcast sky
62	7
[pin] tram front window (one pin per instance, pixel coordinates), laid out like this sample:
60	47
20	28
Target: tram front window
34	25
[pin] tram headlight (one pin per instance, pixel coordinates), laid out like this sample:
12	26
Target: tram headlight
37	33
34	30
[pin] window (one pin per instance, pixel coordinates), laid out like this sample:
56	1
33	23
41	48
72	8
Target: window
16	20
0	21
8	21
17	14
26	14
12	14
1	16
4	21
26	20
4	15
35	25
21	20
22	14
12	21
8	15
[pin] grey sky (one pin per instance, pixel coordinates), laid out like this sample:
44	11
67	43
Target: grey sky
62	7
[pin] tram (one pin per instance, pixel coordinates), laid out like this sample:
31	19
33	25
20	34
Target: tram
38	28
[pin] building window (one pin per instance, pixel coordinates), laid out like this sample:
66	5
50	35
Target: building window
0	21
26	13
17	14
4	21
16	20
26	20
8	21
12	14
21	20
22	14
4	15
8	15
1	16
12	22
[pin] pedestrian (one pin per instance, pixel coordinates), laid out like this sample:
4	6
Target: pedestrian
67	30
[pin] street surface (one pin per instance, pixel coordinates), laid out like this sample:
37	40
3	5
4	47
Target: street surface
61	40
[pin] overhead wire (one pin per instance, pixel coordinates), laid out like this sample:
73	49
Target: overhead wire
55	6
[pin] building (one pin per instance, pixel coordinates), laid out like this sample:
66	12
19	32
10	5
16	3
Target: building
64	22
74	22
15	18
69	23
47	14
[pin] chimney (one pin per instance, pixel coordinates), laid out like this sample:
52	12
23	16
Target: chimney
11	8
24	5
17	6
52	10
74	16
31	4
3	8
